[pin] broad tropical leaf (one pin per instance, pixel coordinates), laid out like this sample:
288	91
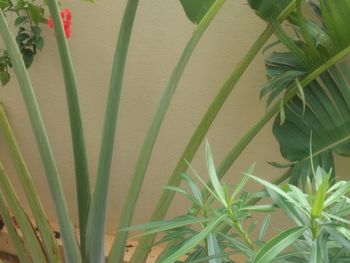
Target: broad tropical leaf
322	109
270	8
196	9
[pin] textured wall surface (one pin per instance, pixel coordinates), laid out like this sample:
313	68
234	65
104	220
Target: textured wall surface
161	32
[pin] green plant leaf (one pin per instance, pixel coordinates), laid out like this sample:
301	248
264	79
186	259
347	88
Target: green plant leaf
39	43
82	182
29	235
320	197
194	241
196	9
154	128
338	193
4	77
213	248
5	4
161	226
36	13
277	244
97	214
213	176
316	253
264	226
292	211
48	241
194	188
68	235
336	20
323	109
243	182
28	57
15	239
267	9
20	21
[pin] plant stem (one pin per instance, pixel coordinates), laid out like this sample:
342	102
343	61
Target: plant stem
240	228
149	142
69	239
76	126
97	214
200	132
314	227
253	201
49	242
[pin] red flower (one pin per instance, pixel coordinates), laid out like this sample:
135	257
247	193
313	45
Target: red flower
66	17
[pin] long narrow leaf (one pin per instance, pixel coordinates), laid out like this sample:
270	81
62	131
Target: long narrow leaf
276	245
194	241
97	214
46	234
69	240
213	176
78	141
16	240
29	235
152	133
213	248
161	226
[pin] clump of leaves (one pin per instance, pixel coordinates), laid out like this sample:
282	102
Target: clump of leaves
323	210
220	222
321	108
30	15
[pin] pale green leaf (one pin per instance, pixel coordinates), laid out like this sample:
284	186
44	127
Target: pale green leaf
276	245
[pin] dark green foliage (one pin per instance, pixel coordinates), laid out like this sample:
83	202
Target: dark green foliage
30	16
267	9
319	115
196	9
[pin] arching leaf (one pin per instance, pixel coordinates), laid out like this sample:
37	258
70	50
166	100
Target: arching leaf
196	9
268	8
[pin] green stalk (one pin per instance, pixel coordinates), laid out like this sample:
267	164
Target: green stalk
69	239
29	235
48	239
95	228
117	251
77	135
272	111
192	147
16	241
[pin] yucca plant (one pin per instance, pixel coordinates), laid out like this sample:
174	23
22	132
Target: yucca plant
92	206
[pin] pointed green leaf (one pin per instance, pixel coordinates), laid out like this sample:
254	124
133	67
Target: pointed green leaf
276	245
213	248
320	197
194	241
213	176
161	226
196	9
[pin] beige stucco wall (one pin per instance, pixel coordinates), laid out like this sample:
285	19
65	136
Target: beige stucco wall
161	32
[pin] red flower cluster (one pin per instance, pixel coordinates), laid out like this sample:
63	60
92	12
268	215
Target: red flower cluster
66	17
